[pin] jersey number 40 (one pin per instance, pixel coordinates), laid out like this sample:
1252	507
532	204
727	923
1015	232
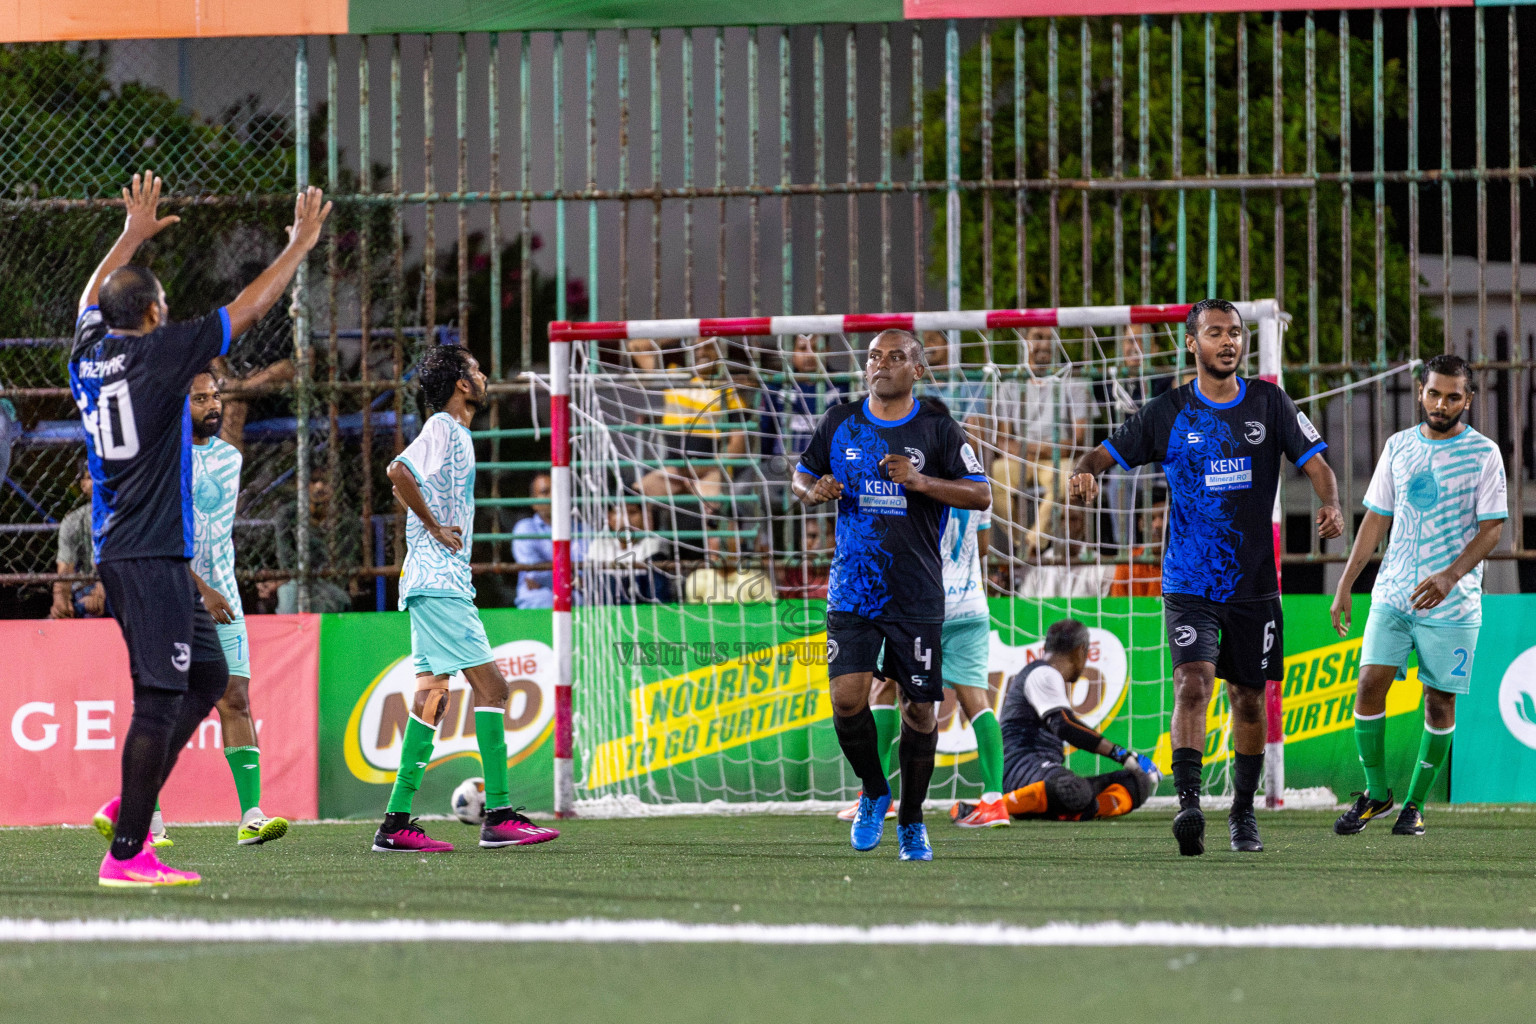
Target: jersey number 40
111	423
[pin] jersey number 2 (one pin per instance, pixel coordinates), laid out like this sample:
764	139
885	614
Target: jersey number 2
111	425
1460	654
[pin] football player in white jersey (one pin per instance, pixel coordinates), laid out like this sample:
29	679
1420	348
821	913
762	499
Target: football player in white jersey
215	492
435	479
1440	488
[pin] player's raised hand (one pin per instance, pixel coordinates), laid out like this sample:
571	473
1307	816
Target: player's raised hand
1330	522
899	469
1083	488
450	537
1432	591
310	210
141	201
825	489
1341	612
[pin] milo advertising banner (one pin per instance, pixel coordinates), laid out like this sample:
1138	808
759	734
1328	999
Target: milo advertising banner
367	681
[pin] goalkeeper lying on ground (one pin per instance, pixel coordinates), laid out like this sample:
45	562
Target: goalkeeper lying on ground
1037	719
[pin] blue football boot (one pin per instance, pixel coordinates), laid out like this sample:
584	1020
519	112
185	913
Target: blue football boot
869	822
913	842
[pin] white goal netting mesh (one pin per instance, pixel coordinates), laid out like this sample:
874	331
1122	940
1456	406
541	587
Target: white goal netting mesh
698	660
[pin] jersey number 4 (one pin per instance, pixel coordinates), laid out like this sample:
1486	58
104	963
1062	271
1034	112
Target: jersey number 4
111	424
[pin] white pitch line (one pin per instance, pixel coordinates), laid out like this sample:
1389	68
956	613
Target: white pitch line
1106	934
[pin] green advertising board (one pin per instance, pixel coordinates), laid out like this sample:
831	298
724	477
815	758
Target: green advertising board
1494	757
367	679
729	702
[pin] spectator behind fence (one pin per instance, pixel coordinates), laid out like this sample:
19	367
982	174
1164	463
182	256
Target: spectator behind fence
324	594
726	582
1053	413
235	408
10	426
1064	573
807	578
1143	575
792	407
77	554
617	564
1129	386
705	421
535	587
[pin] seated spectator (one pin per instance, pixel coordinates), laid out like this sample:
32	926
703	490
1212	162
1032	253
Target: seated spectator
77	553
1063	569
807	578
616	566
1053	414
324	594
705	421
535	587
792	408
726	582
1143	575
266	598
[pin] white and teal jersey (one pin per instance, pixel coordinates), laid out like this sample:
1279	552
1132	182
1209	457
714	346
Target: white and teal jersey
442	458
215	490
965	589
1437	492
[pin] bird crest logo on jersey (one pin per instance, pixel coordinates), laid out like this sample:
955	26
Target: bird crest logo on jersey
1255	433
1184	636
831	651
1423	490
181	658
916	455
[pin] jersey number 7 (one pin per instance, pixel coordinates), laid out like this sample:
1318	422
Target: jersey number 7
111	423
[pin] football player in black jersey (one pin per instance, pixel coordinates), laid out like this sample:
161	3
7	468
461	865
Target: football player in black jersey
129	372
895	466
1220	439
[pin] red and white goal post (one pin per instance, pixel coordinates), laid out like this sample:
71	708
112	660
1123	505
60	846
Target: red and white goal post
1088	346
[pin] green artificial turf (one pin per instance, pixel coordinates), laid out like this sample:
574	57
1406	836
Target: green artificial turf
1471	870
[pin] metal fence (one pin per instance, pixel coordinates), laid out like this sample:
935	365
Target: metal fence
488	184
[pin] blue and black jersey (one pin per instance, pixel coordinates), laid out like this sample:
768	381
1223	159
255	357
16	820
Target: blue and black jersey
132	394
887	562
1222	460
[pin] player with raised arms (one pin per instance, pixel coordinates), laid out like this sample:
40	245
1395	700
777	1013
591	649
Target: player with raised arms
434	478
129	371
1220	439
896	467
1440	489
215	492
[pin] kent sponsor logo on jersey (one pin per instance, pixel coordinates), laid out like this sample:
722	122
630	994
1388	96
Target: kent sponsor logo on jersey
883	497
1229	474
102	368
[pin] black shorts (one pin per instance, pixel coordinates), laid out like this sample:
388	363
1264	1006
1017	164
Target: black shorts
1245	640
913	652
161	614
1023	771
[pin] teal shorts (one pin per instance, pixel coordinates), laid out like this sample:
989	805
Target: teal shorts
964	644
446	634
237	647
1445	651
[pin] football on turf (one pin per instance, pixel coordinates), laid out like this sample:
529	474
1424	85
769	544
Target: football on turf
468	802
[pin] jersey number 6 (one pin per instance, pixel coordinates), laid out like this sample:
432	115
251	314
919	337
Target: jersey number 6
111	425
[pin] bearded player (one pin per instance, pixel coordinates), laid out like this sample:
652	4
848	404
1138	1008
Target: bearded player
1440	489
896	468
215	492
434	478
1220	439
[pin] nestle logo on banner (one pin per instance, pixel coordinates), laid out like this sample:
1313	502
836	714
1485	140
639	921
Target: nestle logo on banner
377	722
39	725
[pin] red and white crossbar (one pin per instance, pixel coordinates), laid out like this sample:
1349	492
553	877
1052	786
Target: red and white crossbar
870	323
1265	312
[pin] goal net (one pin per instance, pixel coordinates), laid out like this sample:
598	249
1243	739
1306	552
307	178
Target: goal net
691	585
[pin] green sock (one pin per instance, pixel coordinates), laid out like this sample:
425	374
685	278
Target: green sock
1371	741
491	735
1433	747
245	765
887	725
989	751
415	752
